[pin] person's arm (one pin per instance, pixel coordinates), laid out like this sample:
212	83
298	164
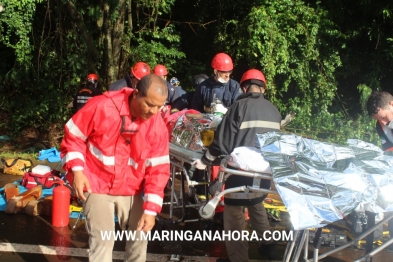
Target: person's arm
197	100
224	136
157	167
237	91
156	174
174	95
73	146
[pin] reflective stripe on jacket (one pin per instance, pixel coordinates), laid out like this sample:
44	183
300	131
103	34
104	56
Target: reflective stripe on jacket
118	163
249	115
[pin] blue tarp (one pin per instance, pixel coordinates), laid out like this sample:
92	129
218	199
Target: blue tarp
52	154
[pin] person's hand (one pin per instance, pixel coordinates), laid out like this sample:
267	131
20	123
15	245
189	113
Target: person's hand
198	164
80	182
146	223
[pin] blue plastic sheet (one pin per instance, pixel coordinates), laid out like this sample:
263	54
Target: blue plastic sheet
52	155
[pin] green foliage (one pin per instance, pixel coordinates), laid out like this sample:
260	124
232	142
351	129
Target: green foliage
290	42
162	48
283	39
16	26
320	60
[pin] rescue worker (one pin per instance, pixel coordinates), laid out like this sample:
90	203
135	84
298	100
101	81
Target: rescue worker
86	92
380	107
113	148
249	115
176	83
173	92
217	87
184	101
138	71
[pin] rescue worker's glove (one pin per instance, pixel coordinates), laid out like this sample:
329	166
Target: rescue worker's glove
220	109
288	118
198	164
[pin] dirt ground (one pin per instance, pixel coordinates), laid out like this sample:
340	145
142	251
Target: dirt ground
31	140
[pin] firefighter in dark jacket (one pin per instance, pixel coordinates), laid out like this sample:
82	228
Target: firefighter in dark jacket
86	92
184	101
217	87
139	70
249	115
173	92
380	107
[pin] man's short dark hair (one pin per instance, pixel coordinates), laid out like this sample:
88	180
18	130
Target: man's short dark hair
378	100
153	81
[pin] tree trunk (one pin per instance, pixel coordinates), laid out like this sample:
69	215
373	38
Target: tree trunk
92	52
113	33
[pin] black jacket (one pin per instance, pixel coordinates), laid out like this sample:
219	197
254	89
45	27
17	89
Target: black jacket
121	83
83	95
385	142
249	115
173	93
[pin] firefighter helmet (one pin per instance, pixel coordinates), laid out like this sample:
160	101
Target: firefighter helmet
140	70
93	78
199	79
160	70
253	76
174	81
222	62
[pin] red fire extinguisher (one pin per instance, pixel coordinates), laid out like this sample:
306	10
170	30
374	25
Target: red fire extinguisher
61	205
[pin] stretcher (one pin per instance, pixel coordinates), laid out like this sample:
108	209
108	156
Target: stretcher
298	248
182	186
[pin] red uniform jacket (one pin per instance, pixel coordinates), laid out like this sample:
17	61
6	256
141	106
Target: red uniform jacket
118	162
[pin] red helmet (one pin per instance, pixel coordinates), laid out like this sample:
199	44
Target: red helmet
160	70
92	78
140	70
222	62
254	76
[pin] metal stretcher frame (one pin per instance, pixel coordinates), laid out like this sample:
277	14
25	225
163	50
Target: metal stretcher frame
301	240
178	157
207	210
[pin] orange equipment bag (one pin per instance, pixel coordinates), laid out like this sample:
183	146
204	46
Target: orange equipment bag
16	166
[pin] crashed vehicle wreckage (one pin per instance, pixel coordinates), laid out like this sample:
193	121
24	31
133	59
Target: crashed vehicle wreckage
319	182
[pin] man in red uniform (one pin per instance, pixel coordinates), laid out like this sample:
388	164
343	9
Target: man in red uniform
113	148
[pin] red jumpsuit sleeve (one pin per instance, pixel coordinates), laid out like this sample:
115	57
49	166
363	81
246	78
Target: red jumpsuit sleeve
157	168
76	131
